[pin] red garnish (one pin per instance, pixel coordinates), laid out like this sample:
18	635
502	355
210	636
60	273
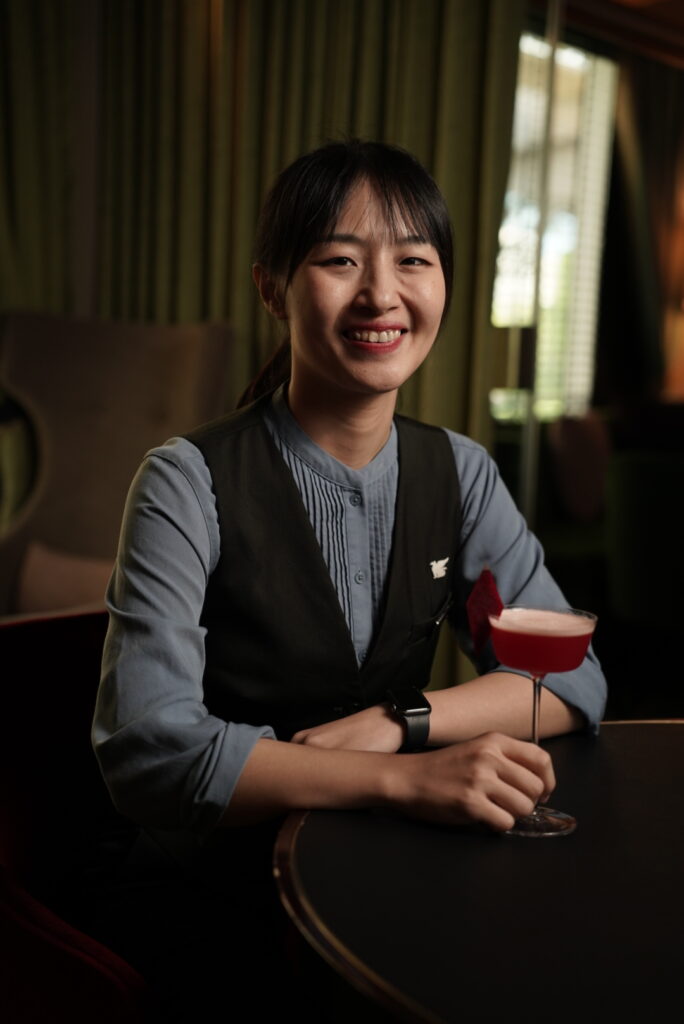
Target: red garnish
484	600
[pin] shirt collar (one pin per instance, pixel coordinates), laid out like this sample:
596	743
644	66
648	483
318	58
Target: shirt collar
281	422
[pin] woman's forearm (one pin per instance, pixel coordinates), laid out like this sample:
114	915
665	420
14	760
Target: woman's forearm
500	701
351	763
497	702
279	777
491	780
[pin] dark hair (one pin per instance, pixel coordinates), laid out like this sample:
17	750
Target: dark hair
307	199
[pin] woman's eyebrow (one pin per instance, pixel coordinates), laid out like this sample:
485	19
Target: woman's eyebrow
356	240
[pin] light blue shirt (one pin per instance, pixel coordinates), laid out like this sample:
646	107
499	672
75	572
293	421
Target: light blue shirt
169	764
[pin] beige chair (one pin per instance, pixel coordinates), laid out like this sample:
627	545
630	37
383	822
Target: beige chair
97	395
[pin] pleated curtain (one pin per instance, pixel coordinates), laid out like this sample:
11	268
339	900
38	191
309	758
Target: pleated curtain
140	137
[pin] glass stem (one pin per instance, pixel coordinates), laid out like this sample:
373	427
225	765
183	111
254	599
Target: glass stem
536	705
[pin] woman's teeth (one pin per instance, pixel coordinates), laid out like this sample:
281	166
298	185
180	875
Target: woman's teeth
374	336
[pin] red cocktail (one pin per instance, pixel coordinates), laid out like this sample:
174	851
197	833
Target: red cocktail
539	641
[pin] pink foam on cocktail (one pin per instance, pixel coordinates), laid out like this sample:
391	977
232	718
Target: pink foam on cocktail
538	620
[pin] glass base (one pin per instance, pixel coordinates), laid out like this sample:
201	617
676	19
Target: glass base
543	821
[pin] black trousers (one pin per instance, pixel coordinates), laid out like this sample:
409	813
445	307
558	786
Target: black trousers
210	932
206	932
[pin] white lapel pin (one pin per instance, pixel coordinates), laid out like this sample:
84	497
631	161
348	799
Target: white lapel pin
439	568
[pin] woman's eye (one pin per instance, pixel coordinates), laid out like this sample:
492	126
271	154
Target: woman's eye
413	261
338	261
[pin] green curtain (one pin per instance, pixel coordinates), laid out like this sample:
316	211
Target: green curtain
204	102
195	107
36	54
198	104
36	58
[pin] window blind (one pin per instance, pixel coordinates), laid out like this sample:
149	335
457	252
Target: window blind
551	236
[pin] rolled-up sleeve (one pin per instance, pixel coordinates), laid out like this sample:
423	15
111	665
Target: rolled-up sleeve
495	534
167	762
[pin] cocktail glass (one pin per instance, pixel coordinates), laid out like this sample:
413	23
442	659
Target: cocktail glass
539	641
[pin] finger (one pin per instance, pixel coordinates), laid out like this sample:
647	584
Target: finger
497	810
498	818
533	758
522	764
513	801
520	778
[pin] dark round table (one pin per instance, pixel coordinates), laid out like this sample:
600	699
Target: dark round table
457	924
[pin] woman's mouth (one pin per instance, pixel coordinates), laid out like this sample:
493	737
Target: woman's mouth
374	337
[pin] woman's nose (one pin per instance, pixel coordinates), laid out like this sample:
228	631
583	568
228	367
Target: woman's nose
378	288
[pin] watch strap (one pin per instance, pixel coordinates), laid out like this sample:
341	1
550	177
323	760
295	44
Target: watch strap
412	708
417	731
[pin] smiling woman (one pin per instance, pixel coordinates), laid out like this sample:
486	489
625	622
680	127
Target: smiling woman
284	571
363	310
362	257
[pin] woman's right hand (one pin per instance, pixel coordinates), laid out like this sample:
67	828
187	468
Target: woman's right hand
492	780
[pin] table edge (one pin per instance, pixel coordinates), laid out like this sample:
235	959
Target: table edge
642	721
324	942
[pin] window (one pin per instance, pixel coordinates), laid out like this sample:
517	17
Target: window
550	241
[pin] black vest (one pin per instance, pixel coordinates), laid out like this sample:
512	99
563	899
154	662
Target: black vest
278	648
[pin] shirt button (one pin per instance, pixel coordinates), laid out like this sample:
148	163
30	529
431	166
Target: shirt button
360	576
355	499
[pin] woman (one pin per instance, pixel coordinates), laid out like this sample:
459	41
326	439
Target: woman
281	571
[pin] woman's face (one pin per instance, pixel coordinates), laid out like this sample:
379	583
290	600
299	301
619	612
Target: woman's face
365	305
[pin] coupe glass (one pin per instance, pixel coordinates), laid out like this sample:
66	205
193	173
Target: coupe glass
539	641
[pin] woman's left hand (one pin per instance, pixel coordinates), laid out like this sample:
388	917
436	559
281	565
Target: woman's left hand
370	729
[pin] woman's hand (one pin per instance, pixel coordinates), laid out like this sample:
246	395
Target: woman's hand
492	780
371	729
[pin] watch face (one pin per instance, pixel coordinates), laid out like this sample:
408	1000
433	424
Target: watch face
409	700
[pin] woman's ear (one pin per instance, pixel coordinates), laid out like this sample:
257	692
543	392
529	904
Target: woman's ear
270	291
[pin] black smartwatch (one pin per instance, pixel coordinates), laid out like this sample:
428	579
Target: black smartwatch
411	706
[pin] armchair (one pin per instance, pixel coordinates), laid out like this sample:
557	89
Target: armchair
97	396
53	805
